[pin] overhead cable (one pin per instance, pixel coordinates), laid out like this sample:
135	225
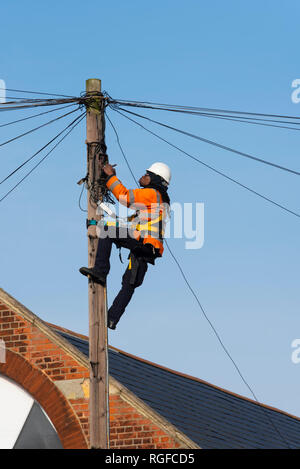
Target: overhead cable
78	119
211	142
249	120
39	151
169	107
121	149
36	115
211	167
37	128
14	106
36	92
218	336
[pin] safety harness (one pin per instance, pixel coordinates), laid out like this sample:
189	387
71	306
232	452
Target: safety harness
156	226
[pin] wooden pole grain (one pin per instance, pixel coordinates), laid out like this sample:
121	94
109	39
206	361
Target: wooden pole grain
99	421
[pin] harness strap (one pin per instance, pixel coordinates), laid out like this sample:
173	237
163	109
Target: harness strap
148	226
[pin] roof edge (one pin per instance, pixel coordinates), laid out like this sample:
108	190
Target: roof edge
29	316
183	375
127	395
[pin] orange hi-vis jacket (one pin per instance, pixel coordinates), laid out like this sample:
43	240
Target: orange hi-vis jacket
151	218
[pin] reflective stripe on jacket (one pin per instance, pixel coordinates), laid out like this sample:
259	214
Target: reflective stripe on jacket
150	223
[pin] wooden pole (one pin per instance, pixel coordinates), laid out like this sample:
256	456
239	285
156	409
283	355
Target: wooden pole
95	128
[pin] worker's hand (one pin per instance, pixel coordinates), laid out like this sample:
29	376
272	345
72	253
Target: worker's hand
109	170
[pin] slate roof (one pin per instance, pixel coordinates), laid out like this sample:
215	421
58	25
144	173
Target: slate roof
211	417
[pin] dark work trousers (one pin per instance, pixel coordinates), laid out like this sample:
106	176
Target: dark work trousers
134	274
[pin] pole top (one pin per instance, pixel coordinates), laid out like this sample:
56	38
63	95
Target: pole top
93	85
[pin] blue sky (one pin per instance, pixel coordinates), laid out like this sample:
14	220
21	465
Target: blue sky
230	55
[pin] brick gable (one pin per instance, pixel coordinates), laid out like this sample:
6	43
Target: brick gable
57	376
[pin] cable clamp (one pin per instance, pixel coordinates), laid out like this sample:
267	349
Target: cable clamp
91	222
81	181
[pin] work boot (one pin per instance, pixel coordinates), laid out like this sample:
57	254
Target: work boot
111	324
95	275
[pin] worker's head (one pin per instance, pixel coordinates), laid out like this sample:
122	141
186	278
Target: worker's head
158	173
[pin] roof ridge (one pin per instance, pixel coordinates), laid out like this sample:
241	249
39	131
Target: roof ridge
179	373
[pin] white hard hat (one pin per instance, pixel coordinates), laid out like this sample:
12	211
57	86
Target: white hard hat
162	170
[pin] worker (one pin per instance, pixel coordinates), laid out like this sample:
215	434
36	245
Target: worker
143	238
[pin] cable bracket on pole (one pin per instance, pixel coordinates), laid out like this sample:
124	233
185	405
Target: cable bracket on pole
90	222
94	366
94	102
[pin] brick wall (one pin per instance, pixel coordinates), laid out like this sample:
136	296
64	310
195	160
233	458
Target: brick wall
28	341
128	427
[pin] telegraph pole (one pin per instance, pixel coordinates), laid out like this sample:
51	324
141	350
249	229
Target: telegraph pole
96	157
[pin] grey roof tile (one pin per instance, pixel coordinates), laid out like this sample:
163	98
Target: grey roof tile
211	417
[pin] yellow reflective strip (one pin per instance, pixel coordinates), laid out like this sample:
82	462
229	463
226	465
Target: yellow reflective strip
110	223
148	226
131	197
129	265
